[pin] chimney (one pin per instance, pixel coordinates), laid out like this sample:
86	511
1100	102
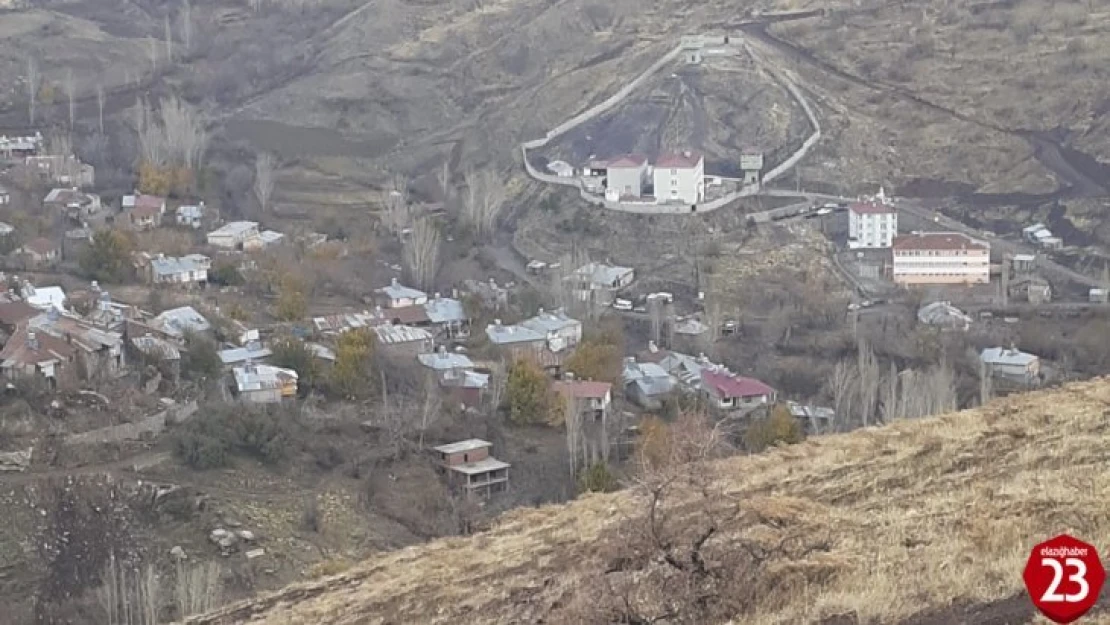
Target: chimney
454	293
442	350
493	283
393	282
539	313
569	376
702	359
32	341
497	322
652	347
435	295
686	153
95	286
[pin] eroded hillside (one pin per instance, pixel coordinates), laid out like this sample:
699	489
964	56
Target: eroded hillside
919	522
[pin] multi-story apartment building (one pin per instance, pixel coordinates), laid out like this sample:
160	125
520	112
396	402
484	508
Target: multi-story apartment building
940	258
680	178
871	225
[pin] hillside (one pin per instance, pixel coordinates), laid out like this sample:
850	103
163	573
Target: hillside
919	522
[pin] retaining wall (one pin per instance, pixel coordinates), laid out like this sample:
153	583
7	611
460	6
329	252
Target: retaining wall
148	426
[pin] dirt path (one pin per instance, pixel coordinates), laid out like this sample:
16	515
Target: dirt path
127	464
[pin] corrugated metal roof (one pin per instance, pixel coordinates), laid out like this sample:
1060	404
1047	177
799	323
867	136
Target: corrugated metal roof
392	335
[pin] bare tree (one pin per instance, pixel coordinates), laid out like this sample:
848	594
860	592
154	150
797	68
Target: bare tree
33	79
129	596
152	51
100	106
168	39
843	385
483	200
264	180
397	215
184	131
445	181
197	589
867	371
986	383
430	411
572	420
187	25
71	93
421	253
497	383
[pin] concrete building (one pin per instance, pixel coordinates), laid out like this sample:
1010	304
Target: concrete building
561	331
939	258
1011	363
397	295
627	175
191	269
191	215
871	225
646	383
469	466
404	339
233	235
680	178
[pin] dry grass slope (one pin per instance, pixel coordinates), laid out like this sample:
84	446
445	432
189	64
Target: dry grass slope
916	515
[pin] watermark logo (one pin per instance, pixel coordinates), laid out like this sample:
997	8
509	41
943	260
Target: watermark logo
1064	577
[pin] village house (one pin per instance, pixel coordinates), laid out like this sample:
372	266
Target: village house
153	349
72	202
588	403
40	252
1039	235
734	392
5	228
251	352
187	270
264	384
1011	363
404	340
626	176
680	177
264	239
939	258
28	354
813	419
144	211
559	330
646	383
492	295
448	317
1098	296
397	295
177	322
232	235
67	170
415	316
342	322
20	147
5	196
100	352
1023	263
871	225
14	314
43	297
456	376
943	315
190	215
599	282
515	338
469	467
106	314
1031	288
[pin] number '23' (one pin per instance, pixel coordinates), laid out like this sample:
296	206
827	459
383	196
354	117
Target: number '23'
1051	594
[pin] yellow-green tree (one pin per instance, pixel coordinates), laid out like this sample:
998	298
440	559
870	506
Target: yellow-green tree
108	257
350	376
597	478
292	304
530	398
779	427
653	449
595	360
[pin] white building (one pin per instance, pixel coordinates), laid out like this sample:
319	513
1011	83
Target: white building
680	178
561	331
627	175
191	215
940	258
191	269
397	295
232	235
871	225
1011	363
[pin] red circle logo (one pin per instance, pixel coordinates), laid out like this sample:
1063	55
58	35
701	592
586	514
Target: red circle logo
1064	578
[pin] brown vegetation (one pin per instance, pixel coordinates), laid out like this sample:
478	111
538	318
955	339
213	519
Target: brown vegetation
877	524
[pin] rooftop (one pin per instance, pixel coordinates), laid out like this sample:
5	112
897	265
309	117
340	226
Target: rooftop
445	310
406	315
602	274
269	237
469	444
730	385
19	349
395	291
481	466
243	354
169	265
545	322
235	228
393	335
679	160
1006	356
154	346
259	377
443	360
191	211
582	389
941	313
626	161
177	321
946	241
40	245
504	335
871	208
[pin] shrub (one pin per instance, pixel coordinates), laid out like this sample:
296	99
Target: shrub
200	359
208	440
597	479
779	427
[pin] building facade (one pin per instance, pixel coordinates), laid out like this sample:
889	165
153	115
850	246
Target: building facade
680	178
627	175
871	226
939	258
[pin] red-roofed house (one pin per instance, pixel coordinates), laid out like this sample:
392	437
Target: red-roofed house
680	177
593	397
734	392
145	211
871	225
627	175
589	433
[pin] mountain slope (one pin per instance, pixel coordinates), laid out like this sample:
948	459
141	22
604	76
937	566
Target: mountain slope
909	520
